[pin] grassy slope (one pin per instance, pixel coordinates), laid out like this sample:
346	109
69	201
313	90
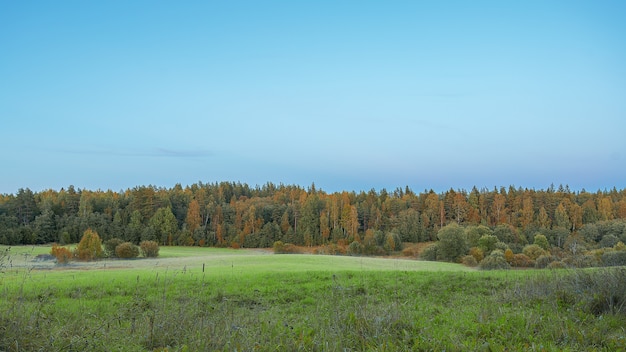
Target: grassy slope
250	301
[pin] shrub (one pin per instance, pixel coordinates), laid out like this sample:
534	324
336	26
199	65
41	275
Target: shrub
110	245
477	253
534	251
581	261
330	249
544	260
285	248
508	255
279	247
495	261
469	260
608	241
521	260
502	246
355	248
89	247
542	241
127	250
430	252
487	243
62	254
410	251
149	249
614	258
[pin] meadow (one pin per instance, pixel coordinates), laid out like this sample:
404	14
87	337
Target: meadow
207	299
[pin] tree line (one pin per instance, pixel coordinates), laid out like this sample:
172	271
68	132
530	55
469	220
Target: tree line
238	215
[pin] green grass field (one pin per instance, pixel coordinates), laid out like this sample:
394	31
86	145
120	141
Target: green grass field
249	300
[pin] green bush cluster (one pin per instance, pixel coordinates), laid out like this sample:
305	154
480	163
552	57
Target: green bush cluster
573	251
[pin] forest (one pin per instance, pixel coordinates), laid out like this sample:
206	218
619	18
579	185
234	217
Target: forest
232	214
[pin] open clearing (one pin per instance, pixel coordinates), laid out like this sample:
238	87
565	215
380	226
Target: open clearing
253	300
220	260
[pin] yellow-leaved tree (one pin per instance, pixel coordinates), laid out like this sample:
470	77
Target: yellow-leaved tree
89	247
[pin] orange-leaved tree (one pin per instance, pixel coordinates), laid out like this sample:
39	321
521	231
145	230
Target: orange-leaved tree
90	246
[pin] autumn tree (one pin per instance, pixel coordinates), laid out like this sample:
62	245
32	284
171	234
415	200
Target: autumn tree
90	246
62	254
193	219
561	218
527	214
460	207
498	209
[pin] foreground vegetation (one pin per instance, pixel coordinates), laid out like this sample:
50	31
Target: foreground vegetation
319	303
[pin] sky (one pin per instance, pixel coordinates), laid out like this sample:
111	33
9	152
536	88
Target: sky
348	95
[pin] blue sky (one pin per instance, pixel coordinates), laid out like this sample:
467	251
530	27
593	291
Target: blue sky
350	95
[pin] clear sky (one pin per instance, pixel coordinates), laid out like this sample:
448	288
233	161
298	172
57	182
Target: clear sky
350	95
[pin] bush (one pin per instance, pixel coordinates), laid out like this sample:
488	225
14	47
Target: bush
614	258
110	245
127	250
285	248
508	255
355	248
149	249
521	260
452	243
608	241
477	253
279	247
330	249
542	241
410	251
469	260
495	261
544	260
430	252
89	247
487	243
62	254
534	251
581	261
